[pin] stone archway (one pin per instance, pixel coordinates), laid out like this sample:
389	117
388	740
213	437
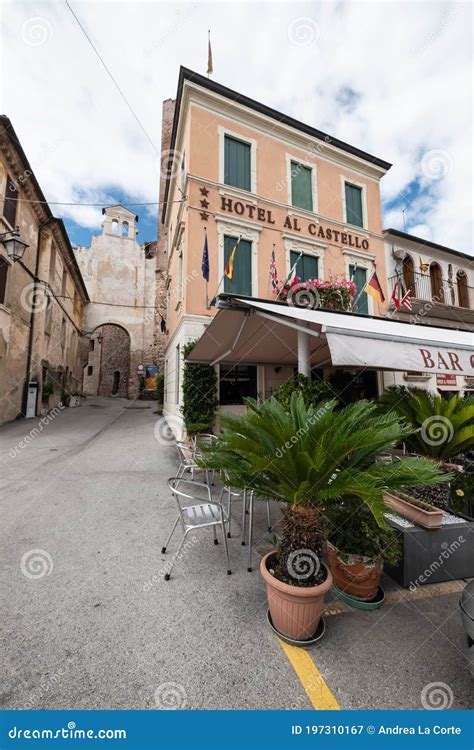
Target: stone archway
108	366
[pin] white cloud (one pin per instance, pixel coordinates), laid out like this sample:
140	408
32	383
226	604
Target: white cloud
408	64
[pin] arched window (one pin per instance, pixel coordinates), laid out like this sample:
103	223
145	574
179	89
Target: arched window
114	226
116	383
436	280
409	274
125	229
463	291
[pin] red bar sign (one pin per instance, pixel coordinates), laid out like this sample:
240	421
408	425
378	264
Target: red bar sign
446	380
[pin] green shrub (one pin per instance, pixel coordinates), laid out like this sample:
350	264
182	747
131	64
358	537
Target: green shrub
354	531
313	391
47	390
160	388
199	395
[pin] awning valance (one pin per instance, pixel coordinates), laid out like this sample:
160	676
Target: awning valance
251	331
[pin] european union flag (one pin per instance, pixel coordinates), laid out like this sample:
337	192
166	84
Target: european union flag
205	260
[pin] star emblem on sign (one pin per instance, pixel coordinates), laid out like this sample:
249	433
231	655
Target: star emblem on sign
204	191
205	203
204	215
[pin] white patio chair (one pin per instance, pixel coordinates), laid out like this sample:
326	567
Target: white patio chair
195	513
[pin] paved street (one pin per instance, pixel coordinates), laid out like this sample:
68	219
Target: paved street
88	621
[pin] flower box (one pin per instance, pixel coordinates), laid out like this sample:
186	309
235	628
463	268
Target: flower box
429	517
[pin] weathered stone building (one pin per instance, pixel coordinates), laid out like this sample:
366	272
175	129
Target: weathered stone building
41	296
120	318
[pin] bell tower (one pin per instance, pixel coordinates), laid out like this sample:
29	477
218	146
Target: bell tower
120	222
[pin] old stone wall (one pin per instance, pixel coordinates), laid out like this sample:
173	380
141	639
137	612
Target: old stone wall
160	339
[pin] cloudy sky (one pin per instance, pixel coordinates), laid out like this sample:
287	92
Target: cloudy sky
393	78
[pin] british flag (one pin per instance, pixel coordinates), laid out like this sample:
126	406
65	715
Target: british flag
273	271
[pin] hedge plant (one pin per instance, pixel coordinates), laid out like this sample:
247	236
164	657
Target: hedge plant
199	395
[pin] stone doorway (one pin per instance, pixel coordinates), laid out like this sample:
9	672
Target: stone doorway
107	370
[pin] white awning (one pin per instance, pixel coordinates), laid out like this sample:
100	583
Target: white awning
250	331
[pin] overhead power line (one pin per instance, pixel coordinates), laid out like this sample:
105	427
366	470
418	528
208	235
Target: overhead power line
113	81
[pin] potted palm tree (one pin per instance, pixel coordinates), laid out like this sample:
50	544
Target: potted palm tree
310	458
442	428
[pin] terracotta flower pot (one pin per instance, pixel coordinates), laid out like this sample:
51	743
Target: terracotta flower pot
429	519
355	575
295	610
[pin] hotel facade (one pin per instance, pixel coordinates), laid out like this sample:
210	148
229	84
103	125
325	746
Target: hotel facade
235	170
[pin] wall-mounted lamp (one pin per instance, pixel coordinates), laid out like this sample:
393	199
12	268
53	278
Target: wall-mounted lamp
13	244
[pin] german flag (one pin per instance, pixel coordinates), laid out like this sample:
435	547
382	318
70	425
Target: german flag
229	269
374	288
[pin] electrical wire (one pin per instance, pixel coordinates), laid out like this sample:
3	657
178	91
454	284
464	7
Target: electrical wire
113	80
97	205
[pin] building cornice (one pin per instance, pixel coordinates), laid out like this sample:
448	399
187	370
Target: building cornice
207	91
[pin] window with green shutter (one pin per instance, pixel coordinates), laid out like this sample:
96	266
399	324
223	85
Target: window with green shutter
306	267
241	282
359	277
301	186
237	161
354	213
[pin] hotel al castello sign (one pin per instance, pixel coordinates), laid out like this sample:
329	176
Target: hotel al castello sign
293	223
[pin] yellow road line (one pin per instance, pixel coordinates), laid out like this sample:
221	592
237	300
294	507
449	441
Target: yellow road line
310	677
337	607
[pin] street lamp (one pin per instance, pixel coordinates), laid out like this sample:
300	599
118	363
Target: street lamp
13	244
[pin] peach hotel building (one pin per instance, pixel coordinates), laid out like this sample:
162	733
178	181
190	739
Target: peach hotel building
238	168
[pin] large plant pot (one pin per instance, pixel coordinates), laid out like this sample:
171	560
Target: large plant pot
429	519
295	610
356	575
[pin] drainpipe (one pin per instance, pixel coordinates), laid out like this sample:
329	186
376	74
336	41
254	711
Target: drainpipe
29	353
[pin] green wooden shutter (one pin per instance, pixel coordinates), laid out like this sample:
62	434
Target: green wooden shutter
242	278
301	188
359	277
354	205
307	266
236	163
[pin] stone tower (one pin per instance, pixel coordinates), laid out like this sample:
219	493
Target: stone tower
120	276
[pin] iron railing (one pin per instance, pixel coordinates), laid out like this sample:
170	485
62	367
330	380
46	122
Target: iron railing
433	289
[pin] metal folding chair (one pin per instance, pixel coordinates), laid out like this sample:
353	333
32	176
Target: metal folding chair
247	497
187	461
195	513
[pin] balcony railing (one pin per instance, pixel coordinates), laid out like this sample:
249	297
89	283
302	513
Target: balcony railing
435	290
